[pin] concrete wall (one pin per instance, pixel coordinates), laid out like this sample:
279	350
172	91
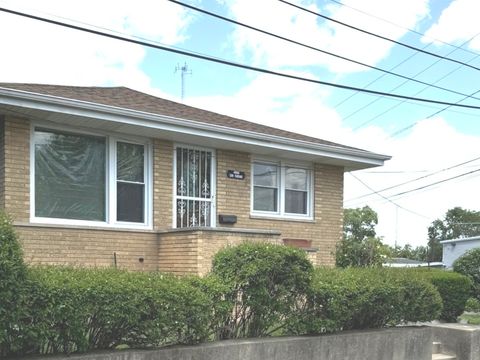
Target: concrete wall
460	340
386	344
452	250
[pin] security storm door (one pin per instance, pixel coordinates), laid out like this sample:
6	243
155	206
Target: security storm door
194	187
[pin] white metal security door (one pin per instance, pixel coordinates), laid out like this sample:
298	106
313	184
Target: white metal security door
194	187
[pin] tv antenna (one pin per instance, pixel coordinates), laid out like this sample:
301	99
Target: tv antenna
184	70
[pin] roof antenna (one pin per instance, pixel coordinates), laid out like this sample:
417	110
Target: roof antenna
184	71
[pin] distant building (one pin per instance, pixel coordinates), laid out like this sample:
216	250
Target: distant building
409	263
453	249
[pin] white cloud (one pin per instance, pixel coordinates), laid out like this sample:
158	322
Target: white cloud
43	53
457	23
307	28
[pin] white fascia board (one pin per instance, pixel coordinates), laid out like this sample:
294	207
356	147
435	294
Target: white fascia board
56	104
460	240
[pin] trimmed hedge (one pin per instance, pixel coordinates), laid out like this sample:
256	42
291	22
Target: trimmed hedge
266	285
361	298
12	279
469	265
77	310
454	288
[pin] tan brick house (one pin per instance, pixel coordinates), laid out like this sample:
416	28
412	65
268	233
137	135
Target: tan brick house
111	176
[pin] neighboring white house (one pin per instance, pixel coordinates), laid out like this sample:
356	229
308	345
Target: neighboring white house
409	263
453	249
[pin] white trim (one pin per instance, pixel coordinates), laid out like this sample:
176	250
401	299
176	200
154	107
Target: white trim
280	213
25	99
473	238
110	183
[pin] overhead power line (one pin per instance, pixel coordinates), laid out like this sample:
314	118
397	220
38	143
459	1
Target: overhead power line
402	130
405	28
418	92
386	198
435	183
229	63
209	13
379	36
416	179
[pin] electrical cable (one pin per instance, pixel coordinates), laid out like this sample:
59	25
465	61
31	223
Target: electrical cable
379	36
435	40
226	62
206	12
418	92
402	130
435	183
416	179
387	199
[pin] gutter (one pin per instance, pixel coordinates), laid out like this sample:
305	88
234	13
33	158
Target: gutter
84	108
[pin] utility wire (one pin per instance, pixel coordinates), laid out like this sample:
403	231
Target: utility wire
229	63
387	199
435	183
402	130
206	12
404	28
379	36
418	92
416	179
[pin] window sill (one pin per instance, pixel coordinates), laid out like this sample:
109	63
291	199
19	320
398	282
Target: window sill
282	218
34	223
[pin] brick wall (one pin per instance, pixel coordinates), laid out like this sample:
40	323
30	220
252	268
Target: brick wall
79	245
17	168
2	162
87	247
324	231
191	251
175	251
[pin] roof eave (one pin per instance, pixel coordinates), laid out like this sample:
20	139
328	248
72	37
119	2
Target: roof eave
354	159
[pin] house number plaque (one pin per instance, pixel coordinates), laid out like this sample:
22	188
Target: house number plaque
234	174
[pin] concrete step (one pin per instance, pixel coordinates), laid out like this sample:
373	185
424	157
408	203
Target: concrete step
443	357
436	347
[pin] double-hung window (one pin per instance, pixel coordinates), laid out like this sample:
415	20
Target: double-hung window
87	179
280	189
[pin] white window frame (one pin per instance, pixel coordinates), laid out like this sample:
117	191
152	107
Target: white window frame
281	170
213	185
111	140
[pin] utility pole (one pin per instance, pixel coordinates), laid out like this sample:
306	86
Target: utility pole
183	71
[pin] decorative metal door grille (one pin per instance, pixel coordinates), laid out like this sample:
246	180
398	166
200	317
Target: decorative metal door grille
193	187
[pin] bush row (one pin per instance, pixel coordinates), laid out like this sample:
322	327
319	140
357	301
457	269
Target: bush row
454	289
254	290
363	298
75	310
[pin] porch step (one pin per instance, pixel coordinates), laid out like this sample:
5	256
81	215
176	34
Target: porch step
443	357
436	347
437	352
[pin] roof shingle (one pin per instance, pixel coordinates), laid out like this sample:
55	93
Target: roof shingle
123	97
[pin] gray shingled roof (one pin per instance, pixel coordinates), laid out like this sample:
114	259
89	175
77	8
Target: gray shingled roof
123	97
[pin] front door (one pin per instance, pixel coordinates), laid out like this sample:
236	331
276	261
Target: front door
194	187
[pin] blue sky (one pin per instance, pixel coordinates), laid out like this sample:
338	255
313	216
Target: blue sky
421	143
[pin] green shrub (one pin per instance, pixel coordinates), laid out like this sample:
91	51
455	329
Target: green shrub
356	298
12	284
472	305
454	289
267	284
76	310
469	265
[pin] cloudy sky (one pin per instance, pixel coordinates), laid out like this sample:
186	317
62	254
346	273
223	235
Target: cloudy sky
435	148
